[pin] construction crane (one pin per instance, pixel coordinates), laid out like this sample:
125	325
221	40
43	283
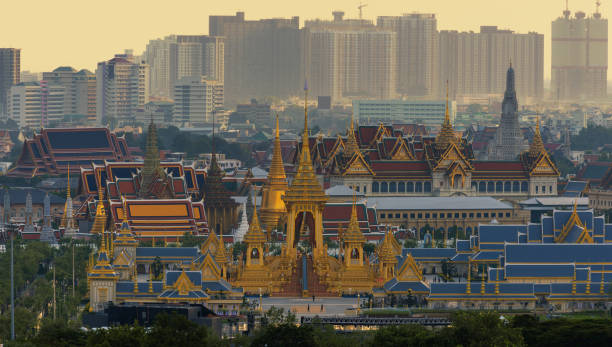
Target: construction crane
360	7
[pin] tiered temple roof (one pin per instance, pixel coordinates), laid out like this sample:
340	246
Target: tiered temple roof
53	150
155	199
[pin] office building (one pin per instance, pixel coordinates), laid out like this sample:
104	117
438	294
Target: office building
263	57
122	88
29	76
351	57
417	52
430	113
212	50
254	112
196	100
36	104
80	90
579	66
475	63
10	67
178	56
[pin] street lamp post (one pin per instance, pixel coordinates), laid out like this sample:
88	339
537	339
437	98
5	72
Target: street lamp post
12	230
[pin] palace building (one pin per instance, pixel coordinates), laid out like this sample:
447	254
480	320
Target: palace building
53	150
123	272
384	161
563	261
155	199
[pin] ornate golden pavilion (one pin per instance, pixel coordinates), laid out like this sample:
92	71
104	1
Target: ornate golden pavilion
299	269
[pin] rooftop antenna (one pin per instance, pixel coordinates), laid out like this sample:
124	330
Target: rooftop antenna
566	13
360	7
597	13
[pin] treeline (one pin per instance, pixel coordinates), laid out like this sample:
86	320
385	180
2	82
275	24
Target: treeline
34	262
171	138
468	329
591	138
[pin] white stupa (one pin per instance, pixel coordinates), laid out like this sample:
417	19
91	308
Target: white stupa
243	227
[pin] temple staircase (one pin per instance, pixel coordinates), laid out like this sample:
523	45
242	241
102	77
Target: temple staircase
315	287
293	287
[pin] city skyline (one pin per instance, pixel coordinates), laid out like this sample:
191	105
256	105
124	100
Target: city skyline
101	41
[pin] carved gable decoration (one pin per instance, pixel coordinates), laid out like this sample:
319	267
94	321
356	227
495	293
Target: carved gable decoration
381	132
123	259
451	156
544	167
409	271
183	284
358	166
209	269
401	151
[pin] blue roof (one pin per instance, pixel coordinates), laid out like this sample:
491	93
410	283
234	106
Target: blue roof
541	288
534	232
498	233
463	246
217	286
542	271
561	217
488	255
127	287
575	186
194	276
558	253
461	257
404	286
192	294
430	253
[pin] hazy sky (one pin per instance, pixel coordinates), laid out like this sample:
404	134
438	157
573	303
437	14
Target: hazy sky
81	33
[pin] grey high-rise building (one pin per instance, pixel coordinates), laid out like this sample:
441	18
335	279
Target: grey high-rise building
179	56
10	68
351	58
263	58
476	63
579	65
417	52
80	86
122	88
508	142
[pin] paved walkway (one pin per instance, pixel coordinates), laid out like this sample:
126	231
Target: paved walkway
331	306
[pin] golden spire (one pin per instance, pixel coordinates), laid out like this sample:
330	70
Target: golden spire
254	234
353	232
305	185
277	169
482	285
272	204
537	145
447	133
351	146
221	254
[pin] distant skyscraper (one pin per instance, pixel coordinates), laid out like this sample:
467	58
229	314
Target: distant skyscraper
36	104
351	58
508	142
196	100
579	66
80	96
122	88
417	51
178	56
10	68
262	58
476	63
